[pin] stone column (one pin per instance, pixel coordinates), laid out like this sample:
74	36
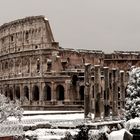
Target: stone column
77	89
87	97
99	107
122	88
30	93
21	93
41	93
106	92
115	92
14	96
67	91
30	66
41	65
53	93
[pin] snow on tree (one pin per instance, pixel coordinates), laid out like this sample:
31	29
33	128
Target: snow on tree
9	108
132	106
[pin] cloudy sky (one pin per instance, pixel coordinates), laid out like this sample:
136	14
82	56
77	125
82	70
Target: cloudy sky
106	25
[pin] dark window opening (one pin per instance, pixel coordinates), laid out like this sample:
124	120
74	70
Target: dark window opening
12	38
27	36
74	80
38	65
49	67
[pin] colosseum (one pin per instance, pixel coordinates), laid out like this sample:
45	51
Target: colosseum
42	75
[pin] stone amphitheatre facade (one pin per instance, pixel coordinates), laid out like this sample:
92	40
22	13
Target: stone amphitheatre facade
42	75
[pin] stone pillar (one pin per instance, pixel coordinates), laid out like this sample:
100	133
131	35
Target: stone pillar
30	93
122	88
67	91
14	92
41	65
41	93
115	93
106	92
78	90
53	92
87	97
21	93
30	66
99	106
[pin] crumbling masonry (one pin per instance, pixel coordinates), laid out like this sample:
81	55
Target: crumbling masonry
42	75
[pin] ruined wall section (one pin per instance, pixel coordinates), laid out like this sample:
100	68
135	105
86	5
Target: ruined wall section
122	60
76	59
25	34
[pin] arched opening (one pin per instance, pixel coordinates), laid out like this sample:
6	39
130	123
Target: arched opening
47	93
17	92
11	94
35	93
6	91
26	92
60	92
81	92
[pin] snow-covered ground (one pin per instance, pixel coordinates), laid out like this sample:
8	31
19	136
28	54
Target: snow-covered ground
58	124
47	134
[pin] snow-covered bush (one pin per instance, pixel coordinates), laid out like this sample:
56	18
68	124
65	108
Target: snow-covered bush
132	106
9	108
99	134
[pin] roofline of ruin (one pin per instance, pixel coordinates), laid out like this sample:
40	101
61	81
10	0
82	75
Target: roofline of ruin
22	20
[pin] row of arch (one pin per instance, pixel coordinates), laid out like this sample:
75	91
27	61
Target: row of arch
22	35
47	93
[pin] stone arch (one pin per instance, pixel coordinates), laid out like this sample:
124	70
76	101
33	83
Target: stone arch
10	95
6	91
81	92
17	92
60	92
47	93
26	92
35	93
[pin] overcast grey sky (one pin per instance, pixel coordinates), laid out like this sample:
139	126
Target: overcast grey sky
88	24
